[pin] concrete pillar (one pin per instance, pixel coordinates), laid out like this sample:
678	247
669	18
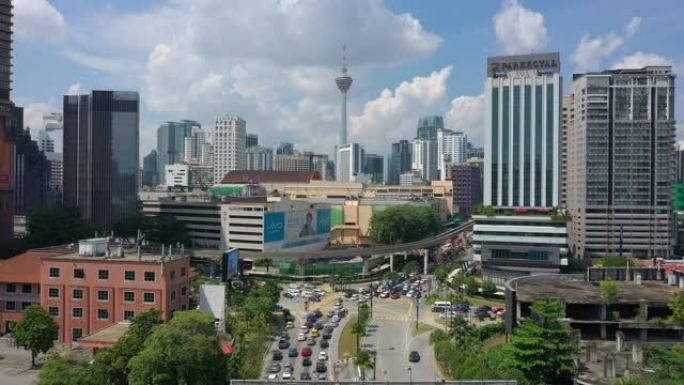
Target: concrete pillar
366	266
604	312
609	366
643	334
681	281
672	279
301	265
619	341
391	262
643	310
637	353
425	262
592	352
604	333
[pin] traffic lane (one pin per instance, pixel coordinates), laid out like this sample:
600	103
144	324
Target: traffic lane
390	342
426	368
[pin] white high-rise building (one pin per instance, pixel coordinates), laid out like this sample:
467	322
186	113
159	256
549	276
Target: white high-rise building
522	127
349	164
452	147
194	145
424	158
207	158
259	158
229	146
45	143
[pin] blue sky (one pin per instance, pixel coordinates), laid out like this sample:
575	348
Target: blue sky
274	62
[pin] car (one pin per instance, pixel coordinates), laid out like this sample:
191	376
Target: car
314	333
354	297
309	324
301	337
283	344
322	376
303	328
304	376
306	293
414	356
274	368
310	341
328	328
287	376
284	335
324	343
319	325
318	313
498	309
306	352
322	356
288	367
314	298
273	376
363	300
335	318
330	313
410	293
292	352
277	355
306	361
288	295
395	295
384	294
327	336
289	325
321	367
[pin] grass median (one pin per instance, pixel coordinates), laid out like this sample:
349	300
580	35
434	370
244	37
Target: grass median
346	348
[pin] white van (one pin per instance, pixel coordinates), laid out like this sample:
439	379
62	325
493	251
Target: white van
441	306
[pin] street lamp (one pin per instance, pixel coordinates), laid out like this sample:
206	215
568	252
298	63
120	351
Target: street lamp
410	376
386	378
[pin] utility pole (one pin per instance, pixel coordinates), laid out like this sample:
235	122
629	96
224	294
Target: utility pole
358	325
417	312
371	302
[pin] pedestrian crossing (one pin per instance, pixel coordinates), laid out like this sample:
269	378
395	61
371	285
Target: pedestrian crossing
392	317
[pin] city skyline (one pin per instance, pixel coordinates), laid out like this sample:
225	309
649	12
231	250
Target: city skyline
422	76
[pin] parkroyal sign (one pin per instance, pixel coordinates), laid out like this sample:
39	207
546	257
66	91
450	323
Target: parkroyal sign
544	63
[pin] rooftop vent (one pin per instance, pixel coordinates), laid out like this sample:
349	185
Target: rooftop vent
92	247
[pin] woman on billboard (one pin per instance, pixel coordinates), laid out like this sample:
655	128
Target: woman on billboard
308	228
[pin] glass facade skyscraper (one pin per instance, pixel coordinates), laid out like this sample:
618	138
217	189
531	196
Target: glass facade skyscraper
171	143
522	121
428	126
400	161
101	160
6	139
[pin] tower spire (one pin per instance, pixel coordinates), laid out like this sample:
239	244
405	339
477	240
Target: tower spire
344	58
344	82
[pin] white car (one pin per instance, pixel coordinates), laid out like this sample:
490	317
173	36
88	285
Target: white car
273	376
301	337
322	356
293	292
335	318
287	376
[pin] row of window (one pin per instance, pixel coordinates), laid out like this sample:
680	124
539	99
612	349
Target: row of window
129	275
77	313
103	295
26	288
12	305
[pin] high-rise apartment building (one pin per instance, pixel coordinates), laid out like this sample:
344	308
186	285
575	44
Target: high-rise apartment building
45	142
679	156
399	161
621	162
101	162
229	145
428	126
566	126
285	148
171	141
194	145
150	176
56	172
252	140
424	158
6	141
467	179
324	166
522	123
451	147
349	162
31	169
259	158
373	166
296	162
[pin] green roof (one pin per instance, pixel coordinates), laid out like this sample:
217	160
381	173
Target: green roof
227	190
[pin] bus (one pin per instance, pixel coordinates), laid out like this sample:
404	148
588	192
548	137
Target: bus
441	306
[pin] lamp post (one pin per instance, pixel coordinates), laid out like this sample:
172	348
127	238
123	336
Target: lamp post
410	376
386	378
358	325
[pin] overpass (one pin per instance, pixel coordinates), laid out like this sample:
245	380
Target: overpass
367	251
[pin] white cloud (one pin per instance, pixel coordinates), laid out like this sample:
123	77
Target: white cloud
97	62
33	115
393	115
642	59
74	89
466	114
38	20
592	50
518	29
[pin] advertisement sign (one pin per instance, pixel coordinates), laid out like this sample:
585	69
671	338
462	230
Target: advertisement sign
230	264
543	63
274	227
298	228
322	221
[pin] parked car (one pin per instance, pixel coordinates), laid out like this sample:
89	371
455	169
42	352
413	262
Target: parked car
395	295
301	337
314	333
310	341
277	355
327	336
287	375
306	361
306	352
288	295
289	325
322	356
283	344
273	377
322	376
324	343
414	356
321	367
305	376
274	368
498	309
384	294
292	352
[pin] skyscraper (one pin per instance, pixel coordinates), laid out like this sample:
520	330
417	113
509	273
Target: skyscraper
259	158
566	126
296	162
424	158
349	162
45	143
101	162
171	143
194	145
285	148
451	148
150	176
467	178
522	122
344	82
428	126
31	169
252	140
400	161
373	166
229	145
621	162
6	140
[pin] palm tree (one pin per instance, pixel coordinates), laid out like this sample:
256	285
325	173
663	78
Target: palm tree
363	361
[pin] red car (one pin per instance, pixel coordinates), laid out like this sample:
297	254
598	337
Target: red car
306	352
498	309
395	295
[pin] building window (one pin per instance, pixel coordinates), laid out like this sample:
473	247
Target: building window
129	275
11	287
79	273
183	272
184	290
102	314
77	312
148	297
173	295
76	333
26	289
102	295
53	292
54	272
103	274
77	294
10	305
53	311
129	314
24	305
129	296
173	274
149	276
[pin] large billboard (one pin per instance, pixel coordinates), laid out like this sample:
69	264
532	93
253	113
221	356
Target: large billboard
231	264
296	228
542	63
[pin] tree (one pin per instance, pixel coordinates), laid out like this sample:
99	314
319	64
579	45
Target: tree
69	370
58	225
264	262
488	288
36	331
472	287
363	361
609	291
613	261
676	305
541	347
403	223
410	267
184	351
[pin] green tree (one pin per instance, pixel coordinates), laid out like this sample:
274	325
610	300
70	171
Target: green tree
363	360
609	291
264	262
58	225
472	287
69	370
613	261
410	267
488	288
541	347
676	305
184	351
403	223
36	331
166	229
